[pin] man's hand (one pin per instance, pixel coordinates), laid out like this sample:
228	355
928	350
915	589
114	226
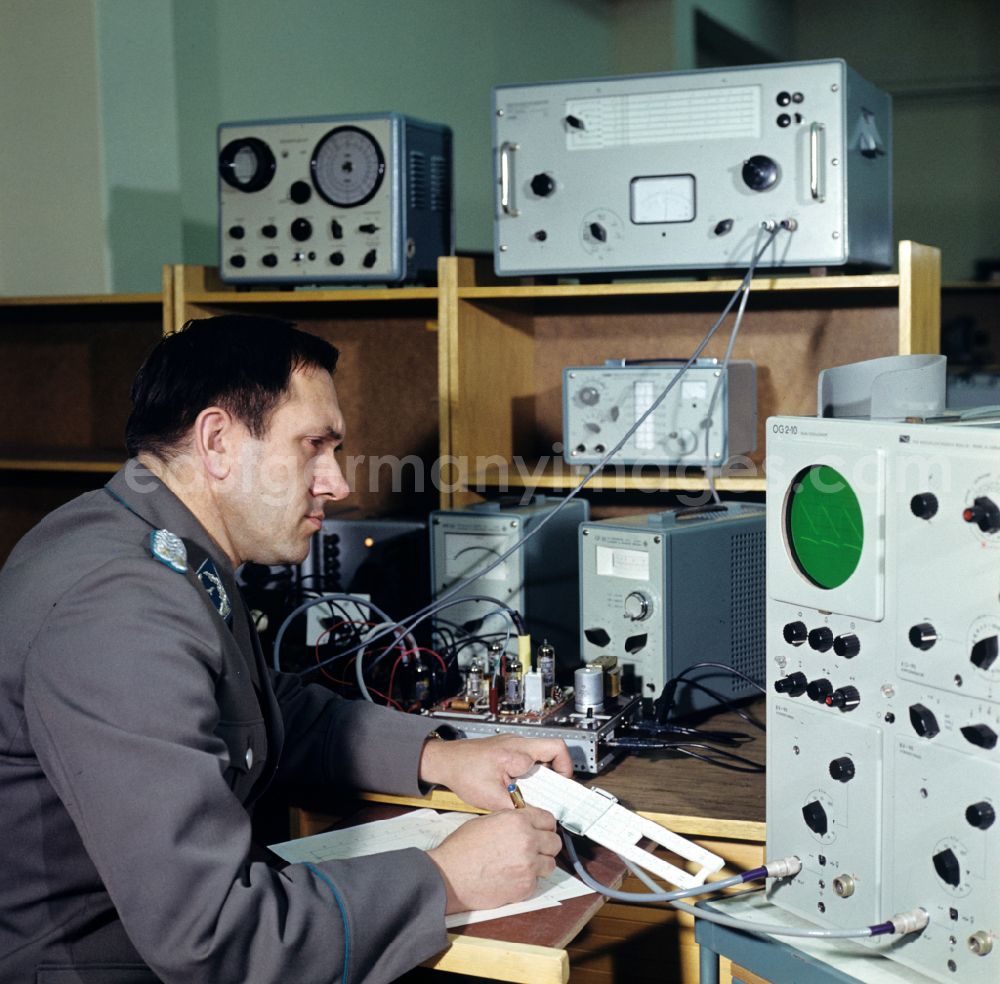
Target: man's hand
479	769
496	859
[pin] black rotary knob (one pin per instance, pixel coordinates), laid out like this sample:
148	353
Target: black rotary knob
815	817
370	259
847	645
794	684
300	192
269	231
760	173
301	230
336	229
924	721
844	698
543	185
980	735
981	815
923	636
924	505
239	261
795	633
237	232
821	639
598	232
984	652
269	260
819	690
947	867
984	513
337	258
842	769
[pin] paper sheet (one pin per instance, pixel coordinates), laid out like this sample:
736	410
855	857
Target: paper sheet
422	829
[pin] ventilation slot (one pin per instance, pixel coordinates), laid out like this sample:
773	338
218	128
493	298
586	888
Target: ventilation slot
440	192
420	194
748	630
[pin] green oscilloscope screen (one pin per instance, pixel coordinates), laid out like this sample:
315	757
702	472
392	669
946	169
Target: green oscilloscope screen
824	526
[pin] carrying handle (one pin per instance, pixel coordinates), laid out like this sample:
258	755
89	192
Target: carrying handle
816	150
506	174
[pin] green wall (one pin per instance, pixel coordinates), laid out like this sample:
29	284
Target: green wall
109	107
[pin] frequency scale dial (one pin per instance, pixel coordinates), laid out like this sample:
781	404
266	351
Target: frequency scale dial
348	166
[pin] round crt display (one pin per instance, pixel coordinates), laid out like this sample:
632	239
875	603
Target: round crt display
823	526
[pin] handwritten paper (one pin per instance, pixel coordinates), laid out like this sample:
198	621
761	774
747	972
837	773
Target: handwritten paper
422	829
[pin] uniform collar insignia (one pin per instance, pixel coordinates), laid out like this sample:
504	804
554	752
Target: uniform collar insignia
168	548
208	574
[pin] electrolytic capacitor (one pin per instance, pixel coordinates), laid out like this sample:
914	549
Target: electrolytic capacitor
588	690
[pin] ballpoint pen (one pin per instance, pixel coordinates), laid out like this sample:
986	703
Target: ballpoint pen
515	796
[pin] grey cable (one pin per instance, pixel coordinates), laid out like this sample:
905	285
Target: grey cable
429	610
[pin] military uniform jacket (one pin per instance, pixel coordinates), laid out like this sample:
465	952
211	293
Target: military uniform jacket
132	743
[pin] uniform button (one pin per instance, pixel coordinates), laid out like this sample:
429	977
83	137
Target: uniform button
249	758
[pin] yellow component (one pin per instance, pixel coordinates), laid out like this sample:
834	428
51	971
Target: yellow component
524	652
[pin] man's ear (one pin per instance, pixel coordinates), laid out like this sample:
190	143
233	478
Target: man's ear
215	441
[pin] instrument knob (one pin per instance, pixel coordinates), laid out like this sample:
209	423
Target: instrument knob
760	173
543	185
637	606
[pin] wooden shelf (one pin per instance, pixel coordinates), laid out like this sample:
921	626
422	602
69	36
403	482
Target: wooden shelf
881	282
557	476
61	460
81	300
503	347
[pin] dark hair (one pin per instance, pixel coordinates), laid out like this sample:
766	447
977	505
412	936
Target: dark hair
240	363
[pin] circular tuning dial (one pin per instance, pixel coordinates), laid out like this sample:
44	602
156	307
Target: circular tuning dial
347	166
637	606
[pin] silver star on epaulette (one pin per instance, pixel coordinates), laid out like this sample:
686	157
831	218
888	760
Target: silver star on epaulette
168	548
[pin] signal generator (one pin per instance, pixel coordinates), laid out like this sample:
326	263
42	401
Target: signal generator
883	716
664	591
704	421
680	170
336	199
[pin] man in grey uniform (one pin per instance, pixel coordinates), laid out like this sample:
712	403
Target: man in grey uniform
139	722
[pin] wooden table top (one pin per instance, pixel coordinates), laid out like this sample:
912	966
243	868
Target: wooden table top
670	783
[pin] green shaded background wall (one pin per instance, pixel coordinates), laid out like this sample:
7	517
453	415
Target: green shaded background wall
113	104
